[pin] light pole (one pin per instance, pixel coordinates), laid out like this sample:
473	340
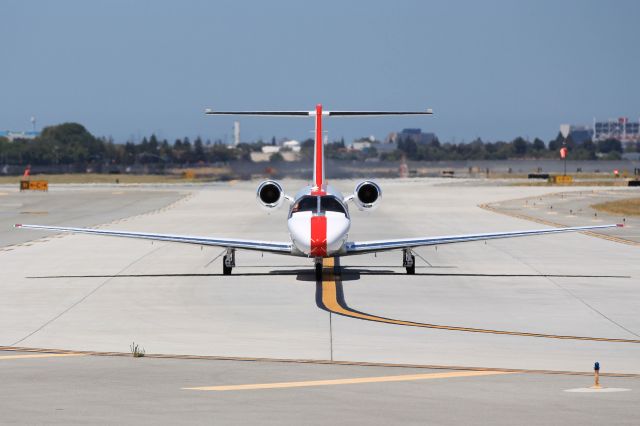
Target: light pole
563	155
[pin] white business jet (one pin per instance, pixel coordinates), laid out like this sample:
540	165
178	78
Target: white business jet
318	219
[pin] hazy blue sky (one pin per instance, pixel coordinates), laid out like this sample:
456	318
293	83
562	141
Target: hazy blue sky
495	69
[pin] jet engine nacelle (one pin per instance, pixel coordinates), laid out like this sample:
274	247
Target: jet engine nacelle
270	195
367	195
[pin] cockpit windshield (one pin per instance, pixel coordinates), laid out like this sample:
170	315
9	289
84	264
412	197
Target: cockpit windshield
331	204
305	204
323	204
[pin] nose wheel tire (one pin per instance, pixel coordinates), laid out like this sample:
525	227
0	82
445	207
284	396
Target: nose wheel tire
318	271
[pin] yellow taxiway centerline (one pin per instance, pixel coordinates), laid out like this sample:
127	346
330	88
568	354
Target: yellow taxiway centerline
7	357
332	303
358	380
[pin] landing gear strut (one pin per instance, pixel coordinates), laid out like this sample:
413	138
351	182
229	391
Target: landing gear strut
228	262
409	261
318	264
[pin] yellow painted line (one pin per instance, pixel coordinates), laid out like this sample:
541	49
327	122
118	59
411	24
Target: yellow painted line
358	380
332	304
4	357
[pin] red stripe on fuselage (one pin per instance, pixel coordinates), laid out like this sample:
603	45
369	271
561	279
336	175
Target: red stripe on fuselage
318	236
319	178
318	191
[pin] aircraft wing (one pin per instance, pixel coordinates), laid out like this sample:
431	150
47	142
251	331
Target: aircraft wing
382	245
267	246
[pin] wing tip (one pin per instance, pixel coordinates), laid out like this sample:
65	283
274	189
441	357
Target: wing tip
620	225
17	225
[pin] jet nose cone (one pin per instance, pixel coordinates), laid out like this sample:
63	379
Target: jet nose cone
318	236
299	225
337	229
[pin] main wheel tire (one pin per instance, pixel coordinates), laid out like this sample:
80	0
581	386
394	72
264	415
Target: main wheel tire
318	271
226	270
411	270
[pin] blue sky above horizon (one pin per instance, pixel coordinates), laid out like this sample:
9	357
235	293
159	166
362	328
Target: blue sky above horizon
491	69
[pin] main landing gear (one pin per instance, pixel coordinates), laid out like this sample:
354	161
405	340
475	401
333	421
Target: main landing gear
228	262
409	261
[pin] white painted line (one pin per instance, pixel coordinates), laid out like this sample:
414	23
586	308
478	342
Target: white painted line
592	390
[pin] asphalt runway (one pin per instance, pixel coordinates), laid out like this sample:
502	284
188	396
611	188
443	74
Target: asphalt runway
88	293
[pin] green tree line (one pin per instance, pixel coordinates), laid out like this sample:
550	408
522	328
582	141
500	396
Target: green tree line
610	149
73	144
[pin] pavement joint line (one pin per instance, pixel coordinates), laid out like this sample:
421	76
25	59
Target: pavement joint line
86	296
49	355
357	380
550	279
330	297
316	361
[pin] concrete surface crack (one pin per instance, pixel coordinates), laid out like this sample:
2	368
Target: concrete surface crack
86	296
572	294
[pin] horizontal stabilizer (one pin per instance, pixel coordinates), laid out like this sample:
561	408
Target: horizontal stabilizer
209	111
276	113
374	113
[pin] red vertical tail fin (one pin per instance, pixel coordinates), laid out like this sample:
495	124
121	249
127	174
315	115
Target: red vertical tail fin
318	157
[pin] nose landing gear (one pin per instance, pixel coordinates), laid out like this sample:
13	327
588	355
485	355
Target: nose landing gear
228	261
318	265
409	261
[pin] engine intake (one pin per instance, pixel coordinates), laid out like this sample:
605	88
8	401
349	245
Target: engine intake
367	195
270	194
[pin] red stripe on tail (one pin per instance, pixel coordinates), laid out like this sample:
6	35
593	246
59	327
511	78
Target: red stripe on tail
318	167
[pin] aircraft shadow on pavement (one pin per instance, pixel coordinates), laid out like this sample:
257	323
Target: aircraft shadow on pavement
307	274
346	274
350	274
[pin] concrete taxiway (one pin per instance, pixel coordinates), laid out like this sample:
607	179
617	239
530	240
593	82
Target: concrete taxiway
77	389
88	293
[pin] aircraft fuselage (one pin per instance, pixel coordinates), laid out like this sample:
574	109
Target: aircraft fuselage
318	221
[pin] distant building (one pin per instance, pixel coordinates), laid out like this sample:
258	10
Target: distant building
236	133
579	134
415	134
360	145
621	129
260	157
290	151
292	145
270	149
12	135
